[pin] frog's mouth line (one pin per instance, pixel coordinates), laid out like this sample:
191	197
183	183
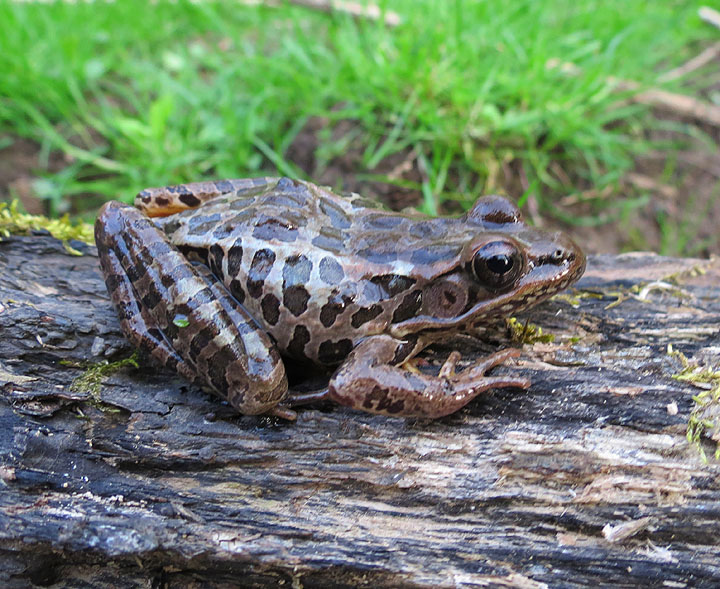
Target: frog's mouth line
530	292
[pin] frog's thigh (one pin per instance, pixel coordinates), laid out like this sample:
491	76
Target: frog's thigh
213	337
168	200
370	380
134	319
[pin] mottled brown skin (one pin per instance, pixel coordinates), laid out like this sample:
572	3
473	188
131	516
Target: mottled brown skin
242	271
370	375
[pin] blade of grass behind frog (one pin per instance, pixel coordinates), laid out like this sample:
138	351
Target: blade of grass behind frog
283	166
391	143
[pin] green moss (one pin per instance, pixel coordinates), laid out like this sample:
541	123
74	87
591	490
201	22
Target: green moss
670	284
692	272
707	403
575	298
641	290
15	222
696	429
91	380
527	333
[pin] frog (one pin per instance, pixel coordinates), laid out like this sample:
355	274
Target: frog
220	281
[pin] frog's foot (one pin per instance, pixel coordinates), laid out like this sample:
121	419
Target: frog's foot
182	315
369	381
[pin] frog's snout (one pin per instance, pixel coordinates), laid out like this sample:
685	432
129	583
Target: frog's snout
572	254
567	254
558	249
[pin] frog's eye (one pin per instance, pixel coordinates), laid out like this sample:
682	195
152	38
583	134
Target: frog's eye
497	264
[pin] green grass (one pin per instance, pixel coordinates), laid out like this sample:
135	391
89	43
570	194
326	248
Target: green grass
139	94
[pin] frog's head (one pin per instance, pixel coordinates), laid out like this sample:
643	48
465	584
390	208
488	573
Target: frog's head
502	267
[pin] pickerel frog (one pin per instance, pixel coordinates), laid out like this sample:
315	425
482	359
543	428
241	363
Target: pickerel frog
233	274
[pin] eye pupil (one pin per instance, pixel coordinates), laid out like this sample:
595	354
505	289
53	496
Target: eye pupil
500	264
497	264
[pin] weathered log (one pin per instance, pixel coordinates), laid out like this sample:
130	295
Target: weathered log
586	478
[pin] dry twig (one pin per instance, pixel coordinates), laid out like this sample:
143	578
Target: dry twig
643	182
710	54
586	195
710	16
404	166
355	9
678	103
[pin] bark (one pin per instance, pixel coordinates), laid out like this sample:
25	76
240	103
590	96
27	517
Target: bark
586	478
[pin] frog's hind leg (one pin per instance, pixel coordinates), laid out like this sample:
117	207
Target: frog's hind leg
372	379
168	309
168	200
135	321
243	321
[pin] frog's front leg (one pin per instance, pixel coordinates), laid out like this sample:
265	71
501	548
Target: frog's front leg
184	317
372	379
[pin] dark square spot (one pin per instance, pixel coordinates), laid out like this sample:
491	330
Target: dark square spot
295	299
331	353
270	308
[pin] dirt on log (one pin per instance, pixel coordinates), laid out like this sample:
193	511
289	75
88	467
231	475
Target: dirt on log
586	478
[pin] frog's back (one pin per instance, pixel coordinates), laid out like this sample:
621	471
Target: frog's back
292	217
319	271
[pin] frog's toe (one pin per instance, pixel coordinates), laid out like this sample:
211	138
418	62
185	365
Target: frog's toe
283	413
448	368
485	364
